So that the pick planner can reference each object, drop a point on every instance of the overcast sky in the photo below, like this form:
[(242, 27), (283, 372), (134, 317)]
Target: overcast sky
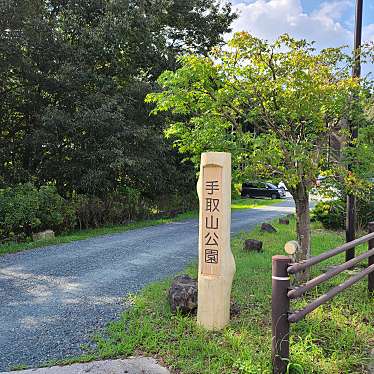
[(330, 23)]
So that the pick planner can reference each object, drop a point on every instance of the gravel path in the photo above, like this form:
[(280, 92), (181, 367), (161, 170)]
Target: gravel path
[(53, 298)]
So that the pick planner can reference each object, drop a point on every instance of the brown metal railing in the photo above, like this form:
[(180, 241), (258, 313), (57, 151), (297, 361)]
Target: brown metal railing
[(282, 293)]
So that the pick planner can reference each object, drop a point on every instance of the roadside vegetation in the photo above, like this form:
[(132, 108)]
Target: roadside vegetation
[(335, 338), (13, 247), (26, 209), (73, 235), (77, 129)]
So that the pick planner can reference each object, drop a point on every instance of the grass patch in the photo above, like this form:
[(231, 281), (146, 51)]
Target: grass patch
[(90, 233), (333, 339), (252, 203), (19, 367)]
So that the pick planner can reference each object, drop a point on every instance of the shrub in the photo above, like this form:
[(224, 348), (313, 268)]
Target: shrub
[(24, 209), (365, 214), (178, 202), (330, 213), (120, 207), (54, 211), (19, 211)]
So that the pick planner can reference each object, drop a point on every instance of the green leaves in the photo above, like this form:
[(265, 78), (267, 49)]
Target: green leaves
[(285, 91), (73, 77)]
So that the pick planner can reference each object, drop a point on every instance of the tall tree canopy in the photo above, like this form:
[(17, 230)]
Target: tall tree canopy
[(273, 105), (73, 77)]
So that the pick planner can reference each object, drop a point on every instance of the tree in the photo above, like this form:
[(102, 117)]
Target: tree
[(73, 77), (272, 105)]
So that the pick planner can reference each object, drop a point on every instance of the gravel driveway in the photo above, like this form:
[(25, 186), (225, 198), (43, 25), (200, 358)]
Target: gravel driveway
[(53, 298)]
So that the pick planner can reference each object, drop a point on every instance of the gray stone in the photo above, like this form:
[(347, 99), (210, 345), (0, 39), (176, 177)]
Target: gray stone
[(168, 213), (137, 365), (183, 294), (252, 245), (234, 309), (284, 221), (43, 235), (267, 227)]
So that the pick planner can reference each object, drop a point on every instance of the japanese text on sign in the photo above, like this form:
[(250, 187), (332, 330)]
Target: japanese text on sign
[(211, 220)]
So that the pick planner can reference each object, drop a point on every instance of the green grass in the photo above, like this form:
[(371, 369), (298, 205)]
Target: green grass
[(19, 367), (252, 203), (333, 339), (90, 233)]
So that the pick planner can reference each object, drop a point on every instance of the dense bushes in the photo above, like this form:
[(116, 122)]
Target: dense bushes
[(55, 212), (365, 213), (127, 205), (82, 122), (18, 211), (332, 213), (117, 208), (25, 209)]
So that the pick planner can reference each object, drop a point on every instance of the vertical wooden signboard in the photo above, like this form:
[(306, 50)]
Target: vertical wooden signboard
[(216, 262)]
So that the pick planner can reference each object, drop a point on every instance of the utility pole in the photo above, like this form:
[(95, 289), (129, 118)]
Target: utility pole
[(356, 72)]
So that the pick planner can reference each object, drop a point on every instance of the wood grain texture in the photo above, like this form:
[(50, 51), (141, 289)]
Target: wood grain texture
[(216, 262)]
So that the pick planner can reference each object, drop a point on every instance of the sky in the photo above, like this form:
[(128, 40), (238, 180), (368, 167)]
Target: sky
[(330, 23)]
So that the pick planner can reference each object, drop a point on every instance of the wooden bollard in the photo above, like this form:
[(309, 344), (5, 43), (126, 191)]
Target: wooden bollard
[(216, 262)]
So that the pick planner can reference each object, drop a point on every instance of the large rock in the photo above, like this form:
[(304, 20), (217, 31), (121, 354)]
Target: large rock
[(267, 227), (284, 221), (234, 309), (168, 213), (252, 245), (183, 294), (43, 235)]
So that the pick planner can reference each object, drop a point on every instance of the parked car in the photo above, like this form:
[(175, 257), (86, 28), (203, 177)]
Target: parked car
[(261, 189), (282, 187)]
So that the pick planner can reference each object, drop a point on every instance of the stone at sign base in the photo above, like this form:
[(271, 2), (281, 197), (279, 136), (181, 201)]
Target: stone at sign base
[(43, 235), (183, 294), (216, 262)]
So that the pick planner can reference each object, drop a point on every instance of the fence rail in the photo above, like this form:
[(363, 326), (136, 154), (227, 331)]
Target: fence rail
[(282, 293), (300, 266), (299, 291)]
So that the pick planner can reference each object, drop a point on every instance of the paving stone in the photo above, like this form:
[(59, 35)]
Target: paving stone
[(137, 365)]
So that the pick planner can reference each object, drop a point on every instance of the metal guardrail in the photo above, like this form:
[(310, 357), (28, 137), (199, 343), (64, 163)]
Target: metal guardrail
[(282, 293)]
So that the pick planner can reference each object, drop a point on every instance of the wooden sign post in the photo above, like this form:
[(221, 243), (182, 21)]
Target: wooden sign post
[(216, 262)]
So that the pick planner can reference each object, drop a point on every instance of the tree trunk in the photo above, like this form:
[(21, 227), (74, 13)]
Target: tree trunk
[(301, 197)]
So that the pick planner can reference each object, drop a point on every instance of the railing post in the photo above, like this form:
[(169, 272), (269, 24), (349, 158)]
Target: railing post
[(280, 304), (371, 260)]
